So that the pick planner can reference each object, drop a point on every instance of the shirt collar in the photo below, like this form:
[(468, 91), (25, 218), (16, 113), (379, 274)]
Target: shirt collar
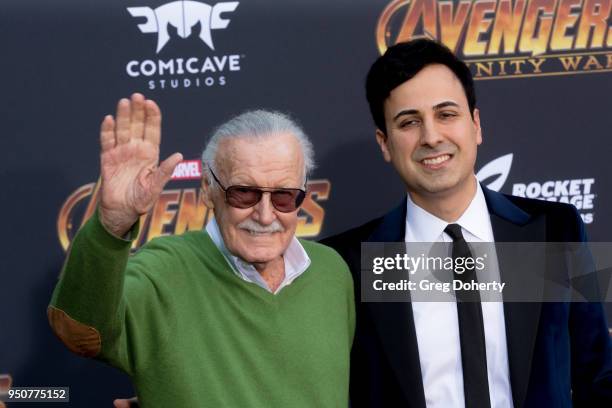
[(422, 226), (475, 219)]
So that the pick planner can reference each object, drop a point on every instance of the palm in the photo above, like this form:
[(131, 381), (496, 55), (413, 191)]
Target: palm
[(131, 177), (121, 168)]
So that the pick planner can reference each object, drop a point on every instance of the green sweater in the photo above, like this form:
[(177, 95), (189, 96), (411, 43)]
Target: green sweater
[(191, 333)]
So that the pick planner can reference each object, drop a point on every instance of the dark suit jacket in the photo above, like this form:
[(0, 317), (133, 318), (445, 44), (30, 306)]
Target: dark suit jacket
[(559, 353)]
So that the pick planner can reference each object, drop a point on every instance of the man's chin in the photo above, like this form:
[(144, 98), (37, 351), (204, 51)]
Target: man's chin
[(260, 249), (259, 259), (439, 185), (257, 255)]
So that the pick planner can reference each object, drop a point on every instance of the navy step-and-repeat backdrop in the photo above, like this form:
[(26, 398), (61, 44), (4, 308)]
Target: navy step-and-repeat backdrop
[(544, 82)]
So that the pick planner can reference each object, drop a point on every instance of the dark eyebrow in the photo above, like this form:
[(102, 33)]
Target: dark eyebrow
[(445, 104), (439, 106), (406, 112)]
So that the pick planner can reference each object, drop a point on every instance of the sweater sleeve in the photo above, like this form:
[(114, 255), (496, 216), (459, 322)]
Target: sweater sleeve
[(105, 304), (351, 304)]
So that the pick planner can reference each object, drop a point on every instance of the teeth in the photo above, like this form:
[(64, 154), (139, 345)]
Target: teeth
[(257, 233), (437, 160)]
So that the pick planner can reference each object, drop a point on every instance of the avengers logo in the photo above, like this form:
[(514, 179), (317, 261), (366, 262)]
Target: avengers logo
[(180, 208), (508, 38)]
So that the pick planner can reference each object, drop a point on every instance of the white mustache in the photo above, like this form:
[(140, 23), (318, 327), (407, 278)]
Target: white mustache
[(253, 226)]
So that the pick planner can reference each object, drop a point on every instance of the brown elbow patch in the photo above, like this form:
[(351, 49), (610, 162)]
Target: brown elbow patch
[(79, 338)]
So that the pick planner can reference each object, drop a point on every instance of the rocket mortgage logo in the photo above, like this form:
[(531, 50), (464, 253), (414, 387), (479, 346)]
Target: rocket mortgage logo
[(580, 192)]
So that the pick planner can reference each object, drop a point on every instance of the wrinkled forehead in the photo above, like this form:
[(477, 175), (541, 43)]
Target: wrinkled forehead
[(272, 159)]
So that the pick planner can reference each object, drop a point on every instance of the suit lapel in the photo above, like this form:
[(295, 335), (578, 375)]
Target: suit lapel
[(511, 224), (392, 226), (394, 321)]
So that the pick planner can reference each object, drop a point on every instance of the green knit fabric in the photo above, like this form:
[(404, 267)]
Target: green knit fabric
[(191, 333)]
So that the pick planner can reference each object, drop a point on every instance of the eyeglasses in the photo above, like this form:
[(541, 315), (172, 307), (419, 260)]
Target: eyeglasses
[(283, 199)]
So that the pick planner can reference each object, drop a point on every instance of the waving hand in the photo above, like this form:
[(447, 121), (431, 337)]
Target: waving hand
[(131, 178)]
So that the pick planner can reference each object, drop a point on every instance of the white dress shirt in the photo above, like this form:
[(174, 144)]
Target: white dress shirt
[(436, 323), (295, 257)]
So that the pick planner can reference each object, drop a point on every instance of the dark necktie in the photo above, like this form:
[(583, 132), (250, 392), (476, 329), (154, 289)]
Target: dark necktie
[(471, 330)]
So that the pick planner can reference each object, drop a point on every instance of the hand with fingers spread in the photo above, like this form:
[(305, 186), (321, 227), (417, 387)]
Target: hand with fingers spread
[(131, 178)]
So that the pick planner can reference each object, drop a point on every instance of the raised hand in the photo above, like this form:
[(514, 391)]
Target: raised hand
[(131, 179)]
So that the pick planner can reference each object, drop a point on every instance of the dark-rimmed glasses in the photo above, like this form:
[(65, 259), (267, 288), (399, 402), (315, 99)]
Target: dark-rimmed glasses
[(283, 199)]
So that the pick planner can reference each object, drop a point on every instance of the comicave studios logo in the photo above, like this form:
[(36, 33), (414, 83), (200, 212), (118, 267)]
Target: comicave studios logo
[(578, 192), (508, 38), (185, 18)]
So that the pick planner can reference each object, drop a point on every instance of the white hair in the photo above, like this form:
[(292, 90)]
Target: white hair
[(257, 124)]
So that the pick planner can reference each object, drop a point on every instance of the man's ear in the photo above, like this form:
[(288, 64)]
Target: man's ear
[(476, 121), (206, 191), (382, 140)]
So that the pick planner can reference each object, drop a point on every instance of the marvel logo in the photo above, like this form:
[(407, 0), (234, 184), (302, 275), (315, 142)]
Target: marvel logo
[(188, 170)]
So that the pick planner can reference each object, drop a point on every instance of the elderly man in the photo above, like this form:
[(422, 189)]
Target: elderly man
[(240, 315)]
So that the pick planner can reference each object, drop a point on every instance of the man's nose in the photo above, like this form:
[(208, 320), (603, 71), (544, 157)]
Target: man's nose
[(430, 134), (264, 210)]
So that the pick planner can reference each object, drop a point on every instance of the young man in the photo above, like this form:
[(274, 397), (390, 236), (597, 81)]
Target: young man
[(454, 354)]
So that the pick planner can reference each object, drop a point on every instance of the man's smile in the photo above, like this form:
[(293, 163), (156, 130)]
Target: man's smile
[(436, 162)]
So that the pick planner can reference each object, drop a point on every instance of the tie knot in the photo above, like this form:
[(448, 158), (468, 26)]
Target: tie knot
[(454, 231)]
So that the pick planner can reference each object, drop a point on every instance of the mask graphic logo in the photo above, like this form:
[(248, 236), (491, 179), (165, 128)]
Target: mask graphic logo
[(499, 167), (183, 15)]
